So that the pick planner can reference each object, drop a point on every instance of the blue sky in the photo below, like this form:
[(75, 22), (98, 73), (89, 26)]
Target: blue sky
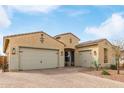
[(87, 22)]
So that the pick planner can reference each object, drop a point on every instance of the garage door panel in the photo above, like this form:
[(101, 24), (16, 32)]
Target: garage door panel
[(50, 55), (85, 58), (38, 59)]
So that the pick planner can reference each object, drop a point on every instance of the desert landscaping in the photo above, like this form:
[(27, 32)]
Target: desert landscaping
[(113, 74)]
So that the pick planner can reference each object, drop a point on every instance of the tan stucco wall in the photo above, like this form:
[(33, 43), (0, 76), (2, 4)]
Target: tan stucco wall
[(32, 40), (66, 40), (111, 53), (92, 48)]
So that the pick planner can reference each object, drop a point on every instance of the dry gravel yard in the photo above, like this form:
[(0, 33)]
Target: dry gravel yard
[(60, 77), (113, 76)]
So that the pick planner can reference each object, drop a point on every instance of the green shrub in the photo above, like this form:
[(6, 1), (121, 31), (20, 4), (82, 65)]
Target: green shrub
[(113, 67), (105, 72)]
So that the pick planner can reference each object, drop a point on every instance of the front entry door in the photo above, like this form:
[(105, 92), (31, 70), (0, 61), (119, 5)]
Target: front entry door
[(69, 58)]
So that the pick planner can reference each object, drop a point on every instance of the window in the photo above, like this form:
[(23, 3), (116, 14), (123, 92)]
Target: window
[(105, 55)]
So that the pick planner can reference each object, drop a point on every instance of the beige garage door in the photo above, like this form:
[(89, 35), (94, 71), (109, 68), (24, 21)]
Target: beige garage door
[(85, 58), (37, 58)]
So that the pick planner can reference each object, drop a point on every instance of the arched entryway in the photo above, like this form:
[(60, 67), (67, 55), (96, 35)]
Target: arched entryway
[(69, 57)]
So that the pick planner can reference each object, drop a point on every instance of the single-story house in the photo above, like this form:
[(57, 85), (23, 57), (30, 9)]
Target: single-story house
[(38, 50)]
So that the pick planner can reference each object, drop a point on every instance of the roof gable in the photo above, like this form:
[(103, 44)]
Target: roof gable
[(67, 34), (8, 38)]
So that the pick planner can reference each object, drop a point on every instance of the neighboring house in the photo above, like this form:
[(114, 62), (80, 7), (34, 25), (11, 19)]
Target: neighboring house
[(1, 59), (39, 50), (122, 58)]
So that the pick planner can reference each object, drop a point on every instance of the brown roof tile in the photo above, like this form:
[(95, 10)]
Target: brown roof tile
[(89, 43)]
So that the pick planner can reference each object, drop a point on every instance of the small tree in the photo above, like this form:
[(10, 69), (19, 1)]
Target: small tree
[(119, 45), (117, 59)]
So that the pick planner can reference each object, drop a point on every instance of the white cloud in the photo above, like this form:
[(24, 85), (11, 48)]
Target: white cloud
[(35, 9), (4, 18), (111, 28), (7, 12)]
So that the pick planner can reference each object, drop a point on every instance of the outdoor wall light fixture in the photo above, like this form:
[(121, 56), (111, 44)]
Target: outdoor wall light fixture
[(61, 53), (13, 51), (95, 53)]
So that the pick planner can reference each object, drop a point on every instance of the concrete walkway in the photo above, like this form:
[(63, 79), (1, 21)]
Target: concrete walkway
[(60, 78)]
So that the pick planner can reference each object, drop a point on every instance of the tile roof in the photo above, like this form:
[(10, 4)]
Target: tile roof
[(92, 42)]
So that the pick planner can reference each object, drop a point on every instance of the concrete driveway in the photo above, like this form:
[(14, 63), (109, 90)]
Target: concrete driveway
[(60, 78)]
